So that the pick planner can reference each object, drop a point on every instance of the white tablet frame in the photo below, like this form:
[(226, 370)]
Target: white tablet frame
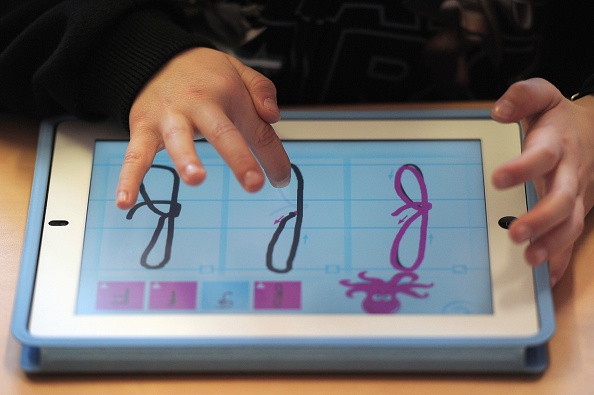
[(53, 311)]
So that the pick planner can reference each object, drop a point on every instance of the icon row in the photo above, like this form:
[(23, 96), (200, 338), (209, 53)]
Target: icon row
[(210, 296)]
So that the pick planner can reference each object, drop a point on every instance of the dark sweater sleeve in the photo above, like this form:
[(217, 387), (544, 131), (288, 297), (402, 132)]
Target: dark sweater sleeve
[(88, 58)]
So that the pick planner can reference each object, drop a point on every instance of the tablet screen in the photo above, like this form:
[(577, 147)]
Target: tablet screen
[(365, 227)]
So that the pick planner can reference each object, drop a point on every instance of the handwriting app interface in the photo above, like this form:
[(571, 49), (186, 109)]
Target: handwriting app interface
[(365, 227)]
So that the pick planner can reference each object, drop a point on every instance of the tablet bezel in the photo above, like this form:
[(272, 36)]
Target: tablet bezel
[(515, 311)]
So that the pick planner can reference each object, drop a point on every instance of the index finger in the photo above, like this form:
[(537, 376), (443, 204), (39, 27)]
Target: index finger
[(269, 150), (138, 159)]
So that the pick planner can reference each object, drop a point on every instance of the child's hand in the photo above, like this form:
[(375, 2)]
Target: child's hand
[(205, 93), (558, 157)]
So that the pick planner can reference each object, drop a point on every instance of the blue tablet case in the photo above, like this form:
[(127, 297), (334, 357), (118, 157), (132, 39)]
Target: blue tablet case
[(476, 355)]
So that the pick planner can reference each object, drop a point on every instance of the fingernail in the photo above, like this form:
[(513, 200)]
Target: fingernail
[(271, 105), (504, 109), (523, 233), (122, 196), (252, 180), (502, 180), (282, 183), (193, 170)]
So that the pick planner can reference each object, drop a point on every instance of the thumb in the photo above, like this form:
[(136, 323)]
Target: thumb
[(524, 99)]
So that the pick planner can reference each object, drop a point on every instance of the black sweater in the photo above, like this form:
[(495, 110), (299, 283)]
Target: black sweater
[(90, 58)]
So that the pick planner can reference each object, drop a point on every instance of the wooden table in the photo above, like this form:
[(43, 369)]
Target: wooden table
[(571, 369)]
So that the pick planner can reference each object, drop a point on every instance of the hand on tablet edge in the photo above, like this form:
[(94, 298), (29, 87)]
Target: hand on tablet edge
[(558, 156)]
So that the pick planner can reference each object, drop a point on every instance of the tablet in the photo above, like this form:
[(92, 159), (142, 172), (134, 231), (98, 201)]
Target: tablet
[(390, 231)]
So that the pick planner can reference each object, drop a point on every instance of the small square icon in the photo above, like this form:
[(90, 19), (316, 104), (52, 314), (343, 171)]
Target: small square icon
[(120, 295), (277, 295), (173, 295), (225, 296)]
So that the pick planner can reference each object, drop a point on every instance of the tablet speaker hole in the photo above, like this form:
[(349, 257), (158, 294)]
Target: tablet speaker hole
[(58, 222), (505, 222)]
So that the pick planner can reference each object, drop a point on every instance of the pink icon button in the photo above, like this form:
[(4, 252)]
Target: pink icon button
[(172, 295), (277, 295)]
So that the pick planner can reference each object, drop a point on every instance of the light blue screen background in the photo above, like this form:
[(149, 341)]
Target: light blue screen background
[(220, 239)]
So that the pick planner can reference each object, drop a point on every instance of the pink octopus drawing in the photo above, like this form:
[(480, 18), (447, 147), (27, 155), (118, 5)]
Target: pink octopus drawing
[(382, 296)]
